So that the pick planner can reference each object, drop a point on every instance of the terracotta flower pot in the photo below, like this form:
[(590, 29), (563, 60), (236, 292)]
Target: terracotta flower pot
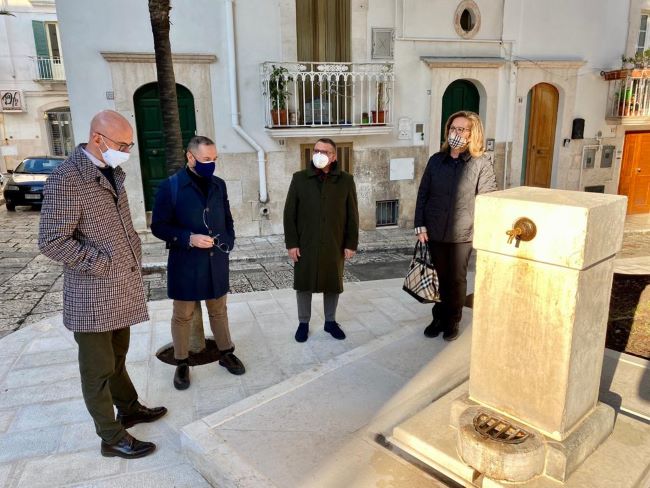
[(279, 117), (378, 116)]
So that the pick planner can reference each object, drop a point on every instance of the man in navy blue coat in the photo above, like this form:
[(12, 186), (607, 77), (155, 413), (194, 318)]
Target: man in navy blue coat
[(192, 215)]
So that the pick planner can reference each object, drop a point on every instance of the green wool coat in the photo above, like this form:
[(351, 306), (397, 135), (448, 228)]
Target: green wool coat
[(322, 219)]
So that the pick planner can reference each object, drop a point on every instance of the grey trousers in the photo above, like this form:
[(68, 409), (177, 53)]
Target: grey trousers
[(330, 302)]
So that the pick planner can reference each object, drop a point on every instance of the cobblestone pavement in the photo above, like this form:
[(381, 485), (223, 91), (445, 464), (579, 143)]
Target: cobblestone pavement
[(31, 284)]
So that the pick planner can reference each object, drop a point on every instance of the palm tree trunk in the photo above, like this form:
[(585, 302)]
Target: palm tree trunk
[(174, 154), (159, 13)]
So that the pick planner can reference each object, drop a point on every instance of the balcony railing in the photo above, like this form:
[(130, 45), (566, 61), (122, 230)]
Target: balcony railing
[(327, 95), (49, 69), (628, 98)]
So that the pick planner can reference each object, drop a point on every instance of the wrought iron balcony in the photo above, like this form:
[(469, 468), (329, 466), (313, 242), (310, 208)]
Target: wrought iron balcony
[(335, 98), (628, 100), (49, 69)]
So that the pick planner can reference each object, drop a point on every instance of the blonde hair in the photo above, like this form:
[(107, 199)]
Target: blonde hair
[(476, 147)]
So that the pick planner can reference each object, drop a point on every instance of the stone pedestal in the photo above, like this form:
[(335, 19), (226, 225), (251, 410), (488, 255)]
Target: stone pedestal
[(540, 308), (538, 334)]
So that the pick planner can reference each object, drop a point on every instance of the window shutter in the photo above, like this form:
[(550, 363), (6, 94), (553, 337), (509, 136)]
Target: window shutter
[(40, 39)]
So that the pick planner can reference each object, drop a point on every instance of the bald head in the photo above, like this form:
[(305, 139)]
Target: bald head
[(109, 129), (108, 120)]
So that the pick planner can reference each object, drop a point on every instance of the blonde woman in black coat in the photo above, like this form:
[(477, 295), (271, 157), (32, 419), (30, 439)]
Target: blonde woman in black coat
[(444, 214)]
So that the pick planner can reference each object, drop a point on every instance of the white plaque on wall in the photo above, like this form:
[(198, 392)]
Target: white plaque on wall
[(402, 169)]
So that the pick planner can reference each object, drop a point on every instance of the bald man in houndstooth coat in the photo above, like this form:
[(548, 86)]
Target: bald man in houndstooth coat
[(86, 225)]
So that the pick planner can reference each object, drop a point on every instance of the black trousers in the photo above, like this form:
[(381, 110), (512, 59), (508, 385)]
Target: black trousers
[(105, 381), (451, 260)]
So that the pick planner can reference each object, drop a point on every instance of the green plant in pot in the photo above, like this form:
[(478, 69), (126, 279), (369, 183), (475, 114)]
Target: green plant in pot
[(626, 102), (279, 94), (379, 115)]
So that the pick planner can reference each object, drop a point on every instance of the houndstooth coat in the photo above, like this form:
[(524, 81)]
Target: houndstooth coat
[(87, 226)]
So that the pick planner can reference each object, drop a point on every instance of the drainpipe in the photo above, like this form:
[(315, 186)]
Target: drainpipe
[(234, 97)]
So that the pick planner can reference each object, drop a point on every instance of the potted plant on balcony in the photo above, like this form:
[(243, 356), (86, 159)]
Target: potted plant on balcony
[(636, 66), (279, 93), (627, 105), (379, 115)]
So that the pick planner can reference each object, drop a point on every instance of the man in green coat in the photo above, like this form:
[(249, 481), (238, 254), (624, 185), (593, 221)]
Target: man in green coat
[(321, 230)]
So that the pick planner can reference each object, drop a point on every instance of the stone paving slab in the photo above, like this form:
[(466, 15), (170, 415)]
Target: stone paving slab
[(31, 284), (45, 428)]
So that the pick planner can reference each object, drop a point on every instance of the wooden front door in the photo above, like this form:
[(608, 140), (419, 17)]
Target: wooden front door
[(635, 172), (151, 142), (460, 95), (541, 135)]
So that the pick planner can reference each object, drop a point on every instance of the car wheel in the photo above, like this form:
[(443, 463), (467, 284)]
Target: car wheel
[(11, 207)]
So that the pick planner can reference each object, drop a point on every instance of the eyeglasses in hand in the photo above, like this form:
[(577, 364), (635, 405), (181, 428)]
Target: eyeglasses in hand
[(222, 246)]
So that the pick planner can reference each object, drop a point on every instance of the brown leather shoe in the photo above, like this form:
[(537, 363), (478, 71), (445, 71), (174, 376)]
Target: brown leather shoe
[(232, 363), (128, 447), (140, 415)]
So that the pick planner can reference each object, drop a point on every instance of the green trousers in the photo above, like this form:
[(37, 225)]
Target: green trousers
[(104, 380)]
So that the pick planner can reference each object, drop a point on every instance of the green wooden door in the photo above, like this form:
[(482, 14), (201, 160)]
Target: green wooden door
[(151, 142), (460, 95)]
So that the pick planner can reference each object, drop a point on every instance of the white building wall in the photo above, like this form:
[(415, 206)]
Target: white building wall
[(25, 133), (594, 32)]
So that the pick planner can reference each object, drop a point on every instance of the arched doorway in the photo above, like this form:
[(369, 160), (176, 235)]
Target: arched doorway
[(459, 95), (151, 142), (539, 136)]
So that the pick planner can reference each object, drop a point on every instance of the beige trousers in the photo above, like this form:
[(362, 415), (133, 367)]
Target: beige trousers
[(182, 319)]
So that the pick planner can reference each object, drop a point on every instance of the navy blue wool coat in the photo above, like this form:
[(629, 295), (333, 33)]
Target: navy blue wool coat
[(193, 273)]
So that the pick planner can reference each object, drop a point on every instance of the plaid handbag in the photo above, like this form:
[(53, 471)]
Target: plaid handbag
[(421, 281)]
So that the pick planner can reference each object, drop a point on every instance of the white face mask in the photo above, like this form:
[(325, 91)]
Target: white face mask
[(320, 160), (113, 157)]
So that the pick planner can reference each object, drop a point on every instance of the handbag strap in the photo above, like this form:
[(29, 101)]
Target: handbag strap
[(423, 250)]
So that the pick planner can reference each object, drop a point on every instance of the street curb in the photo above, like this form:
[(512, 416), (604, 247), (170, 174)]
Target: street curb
[(150, 268)]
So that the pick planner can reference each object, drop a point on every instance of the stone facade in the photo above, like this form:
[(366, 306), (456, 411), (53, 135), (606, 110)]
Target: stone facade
[(508, 52)]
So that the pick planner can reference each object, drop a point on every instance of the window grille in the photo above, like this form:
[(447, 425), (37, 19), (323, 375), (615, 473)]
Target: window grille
[(387, 212)]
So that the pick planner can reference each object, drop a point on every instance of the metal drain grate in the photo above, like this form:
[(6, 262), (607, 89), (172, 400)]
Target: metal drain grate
[(499, 430)]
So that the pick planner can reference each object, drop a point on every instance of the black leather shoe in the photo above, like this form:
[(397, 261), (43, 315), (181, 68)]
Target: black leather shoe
[(128, 447), (434, 328), (140, 415), (232, 363), (451, 332), (182, 376), (335, 330)]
